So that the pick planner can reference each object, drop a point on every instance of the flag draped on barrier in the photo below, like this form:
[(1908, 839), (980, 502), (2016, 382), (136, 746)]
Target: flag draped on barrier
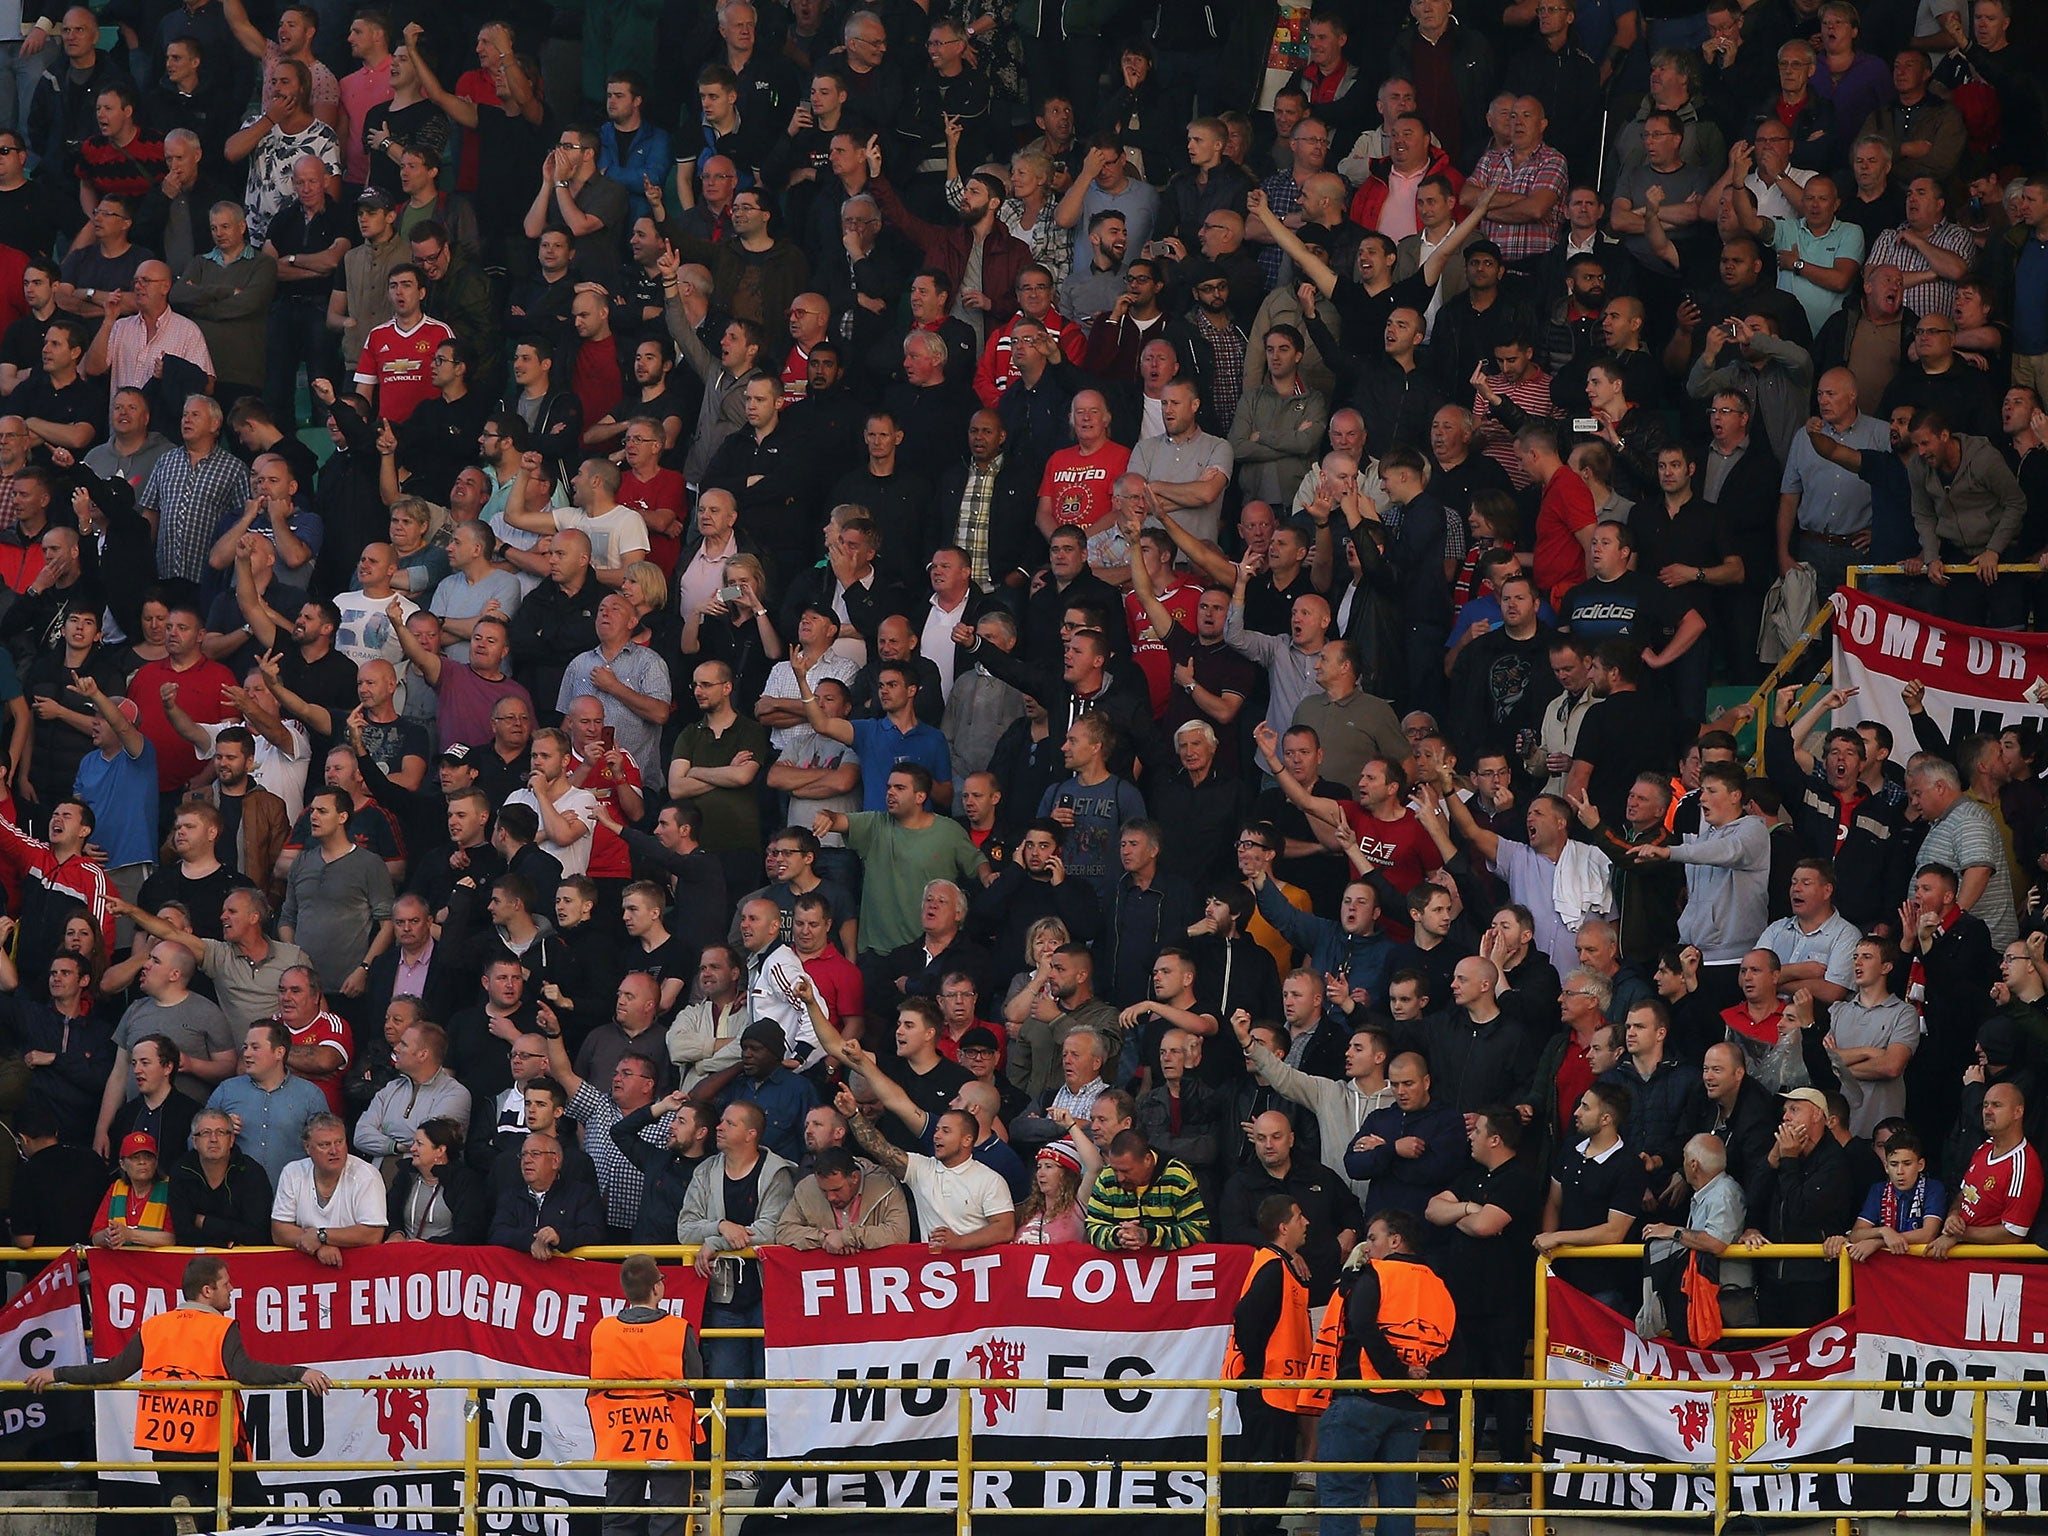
[(1928, 1324), (1771, 1421), (42, 1326), (411, 1314), (1976, 679), (1005, 1314)]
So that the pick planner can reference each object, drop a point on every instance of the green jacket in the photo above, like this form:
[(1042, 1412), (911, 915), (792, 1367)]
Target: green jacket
[(1169, 1207)]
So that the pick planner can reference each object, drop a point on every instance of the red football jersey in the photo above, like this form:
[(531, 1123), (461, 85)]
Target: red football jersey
[(401, 365)]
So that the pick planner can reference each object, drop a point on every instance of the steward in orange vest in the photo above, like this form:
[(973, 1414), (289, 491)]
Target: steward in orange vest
[(644, 1342), (1392, 1317), (197, 1342), (1271, 1338)]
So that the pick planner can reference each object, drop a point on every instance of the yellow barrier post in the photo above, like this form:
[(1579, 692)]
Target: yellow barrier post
[(714, 1499), (1539, 1368), (1720, 1421), (224, 1461), (963, 1461), (1980, 1415), (472, 1453), (1468, 1412), (1212, 1500)]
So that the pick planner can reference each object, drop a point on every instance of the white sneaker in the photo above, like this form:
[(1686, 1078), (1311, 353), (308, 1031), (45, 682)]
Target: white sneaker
[(748, 1481), (183, 1521)]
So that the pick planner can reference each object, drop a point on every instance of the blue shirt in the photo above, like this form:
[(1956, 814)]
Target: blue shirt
[(273, 1123), (881, 746), (1933, 1202), (1487, 608), (646, 158), (122, 793), (784, 1098), (2030, 299)]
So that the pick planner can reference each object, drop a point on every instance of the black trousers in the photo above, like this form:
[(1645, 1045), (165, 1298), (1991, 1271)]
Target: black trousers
[(1267, 1434)]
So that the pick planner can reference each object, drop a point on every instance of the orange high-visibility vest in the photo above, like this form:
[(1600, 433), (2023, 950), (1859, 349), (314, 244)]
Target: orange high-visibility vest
[(632, 1425), (184, 1345), (1288, 1348), (1417, 1316)]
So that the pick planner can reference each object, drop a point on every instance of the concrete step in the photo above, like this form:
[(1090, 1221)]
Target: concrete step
[(48, 1512)]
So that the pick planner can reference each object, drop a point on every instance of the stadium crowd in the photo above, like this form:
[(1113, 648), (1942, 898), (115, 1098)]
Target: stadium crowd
[(960, 623)]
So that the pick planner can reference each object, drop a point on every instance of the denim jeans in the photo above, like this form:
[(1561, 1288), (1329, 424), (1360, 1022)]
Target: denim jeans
[(1360, 1426), (738, 1360), (19, 76)]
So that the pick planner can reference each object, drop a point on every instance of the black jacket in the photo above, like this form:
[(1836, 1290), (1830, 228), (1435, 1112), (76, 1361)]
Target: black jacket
[(1806, 1200), (550, 629), (1014, 542), (574, 1210), (1128, 707), (468, 1199), (771, 484), (867, 603), (1325, 1199), (235, 1214), (557, 428), (666, 1171)]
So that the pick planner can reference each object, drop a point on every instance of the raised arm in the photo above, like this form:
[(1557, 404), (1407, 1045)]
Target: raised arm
[(1312, 266)]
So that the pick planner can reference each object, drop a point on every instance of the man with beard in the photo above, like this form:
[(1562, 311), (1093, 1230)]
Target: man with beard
[(1502, 679)]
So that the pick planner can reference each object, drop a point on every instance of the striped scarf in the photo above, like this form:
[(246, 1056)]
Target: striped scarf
[(1916, 1208), (1916, 984), (151, 1214)]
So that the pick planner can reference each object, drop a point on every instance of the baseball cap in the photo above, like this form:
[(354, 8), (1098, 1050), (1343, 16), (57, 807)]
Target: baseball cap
[(459, 753), (130, 710), (980, 1038), (138, 1141), (1811, 1096), (374, 197)]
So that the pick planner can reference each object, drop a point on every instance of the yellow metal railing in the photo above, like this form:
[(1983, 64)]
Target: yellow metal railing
[(709, 1498), (709, 1501)]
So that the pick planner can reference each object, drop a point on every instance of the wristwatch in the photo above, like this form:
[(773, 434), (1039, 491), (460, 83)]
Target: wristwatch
[(321, 1236), (1798, 263), (90, 292)]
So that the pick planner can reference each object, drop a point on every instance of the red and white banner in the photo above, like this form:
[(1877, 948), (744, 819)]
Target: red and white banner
[(1012, 1313), (1926, 1323), (1976, 679), (42, 1326), (411, 1314), (1769, 1423)]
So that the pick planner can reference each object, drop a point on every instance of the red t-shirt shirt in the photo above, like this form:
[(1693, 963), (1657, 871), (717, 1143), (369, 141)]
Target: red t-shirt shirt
[(1574, 1077), (326, 1029), (1560, 558), (839, 984), (664, 488), (2003, 1191), (199, 695), (475, 85), (597, 383), (796, 376), (1150, 654), (1401, 850), (610, 859), (401, 365), (1079, 483)]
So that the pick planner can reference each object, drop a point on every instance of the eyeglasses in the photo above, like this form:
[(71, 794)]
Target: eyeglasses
[(12, 149)]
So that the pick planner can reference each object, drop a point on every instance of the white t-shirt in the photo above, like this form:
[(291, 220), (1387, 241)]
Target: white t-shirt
[(617, 538), (366, 632), (282, 773), (580, 803), (358, 1199), (963, 1199)]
